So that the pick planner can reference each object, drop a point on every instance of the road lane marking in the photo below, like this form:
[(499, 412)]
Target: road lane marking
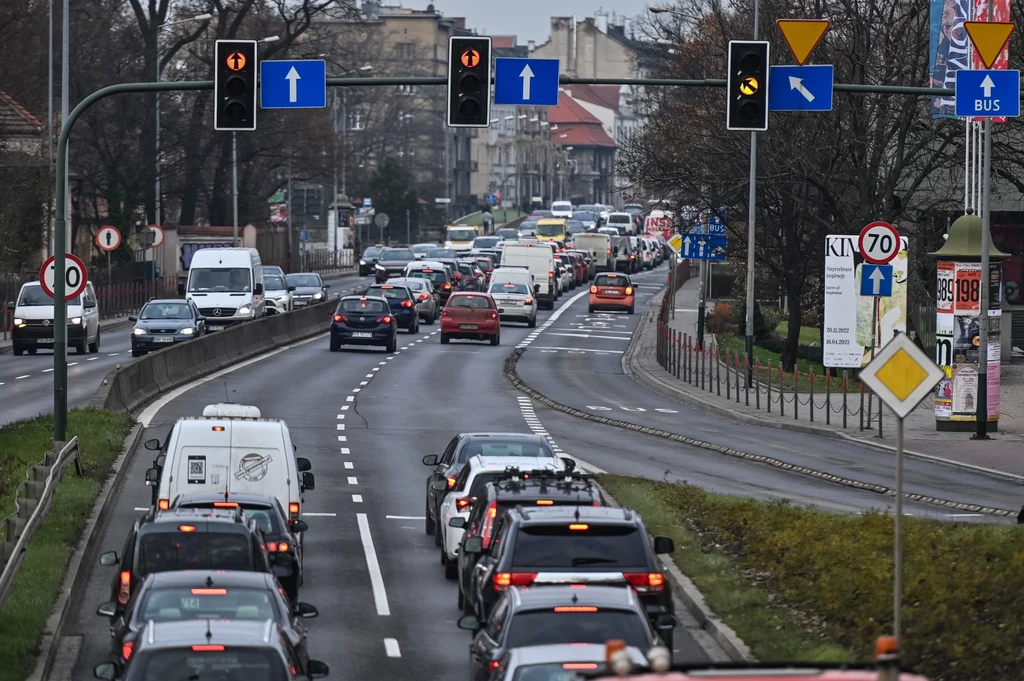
[(363, 382), (350, 398), (342, 438), (341, 416), (352, 480), (18, 378), (320, 515), (341, 426), (345, 408), (141, 508), (586, 335), (380, 596), (391, 647), (370, 375), (349, 465), (405, 517), (71, 364), (113, 354), (46, 371), (92, 359), (357, 498), (355, 390), (556, 348), (344, 450), (526, 408)]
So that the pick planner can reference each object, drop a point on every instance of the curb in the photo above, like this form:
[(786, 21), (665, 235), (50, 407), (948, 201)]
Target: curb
[(74, 578)]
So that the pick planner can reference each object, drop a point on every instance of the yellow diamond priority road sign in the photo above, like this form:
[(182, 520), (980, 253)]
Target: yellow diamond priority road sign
[(901, 374), (676, 243)]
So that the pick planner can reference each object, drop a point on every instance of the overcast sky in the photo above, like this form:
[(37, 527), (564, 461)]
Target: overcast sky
[(527, 19)]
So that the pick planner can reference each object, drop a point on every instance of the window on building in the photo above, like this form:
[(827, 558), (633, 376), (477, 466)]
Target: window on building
[(405, 50)]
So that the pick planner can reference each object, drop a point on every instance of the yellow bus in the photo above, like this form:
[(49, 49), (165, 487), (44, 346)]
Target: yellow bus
[(551, 229), (459, 238)]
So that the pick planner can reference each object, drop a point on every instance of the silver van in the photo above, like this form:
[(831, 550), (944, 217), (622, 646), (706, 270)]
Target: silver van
[(33, 321)]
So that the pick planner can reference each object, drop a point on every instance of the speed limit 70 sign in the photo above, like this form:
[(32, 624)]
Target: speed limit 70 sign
[(879, 243), (75, 276)]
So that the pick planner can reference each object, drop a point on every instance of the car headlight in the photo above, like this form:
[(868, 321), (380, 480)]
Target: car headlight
[(279, 298), (138, 332), (243, 310), (187, 331), (75, 321), (380, 267), (318, 296), (362, 262), (19, 322)]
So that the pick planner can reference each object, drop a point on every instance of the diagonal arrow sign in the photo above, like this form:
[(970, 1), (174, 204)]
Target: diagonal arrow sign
[(293, 78), (798, 85)]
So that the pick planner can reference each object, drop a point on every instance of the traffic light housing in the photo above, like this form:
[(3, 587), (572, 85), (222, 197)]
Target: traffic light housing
[(747, 86), (234, 85), (469, 82)]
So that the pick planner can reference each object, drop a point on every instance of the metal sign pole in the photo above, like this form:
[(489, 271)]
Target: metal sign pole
[(897, 612), (981, 419), (751, 215)]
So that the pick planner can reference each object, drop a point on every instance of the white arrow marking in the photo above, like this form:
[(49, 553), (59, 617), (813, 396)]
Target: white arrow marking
[(876, 278), (686, 246), (293, 79), (701, 251), (526, 74), (798, 85), (987, 86)]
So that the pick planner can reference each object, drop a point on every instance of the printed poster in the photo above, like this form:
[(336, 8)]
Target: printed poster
[(949, 50)]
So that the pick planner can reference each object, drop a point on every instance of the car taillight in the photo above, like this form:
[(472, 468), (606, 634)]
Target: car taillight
[(646, 582), (446, 286), (463, 502), (485, 533), (163, 504), (493, 665), (551, 275), (225, 504), (340, 318), (207, 648), (528, 301), (575, 608), (293, 511), (608, 251), (579, 527), (632, 256), (494, 315), (579, 665), (451, 481), (458, 275), (423, 296), (126, 650), (124, 593), (444, 313), (273, 547), (503, 580), (406, 303), (186, 528), (545, 502), (386, 319), (629, 290), (593, 289)]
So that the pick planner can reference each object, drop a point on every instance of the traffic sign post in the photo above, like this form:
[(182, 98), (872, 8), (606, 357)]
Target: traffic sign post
[(293, 84), (700, 246), (381, 220), (532, 82), (75, 277), (803, 35), (108, 239), (800, 88)]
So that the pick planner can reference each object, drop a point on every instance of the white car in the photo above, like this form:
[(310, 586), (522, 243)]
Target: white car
[(470, 482), (561, 209), (568, 279), (516, 302), (278, 294)]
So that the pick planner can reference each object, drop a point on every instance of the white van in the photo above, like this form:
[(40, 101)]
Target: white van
[(599, 246), (540, 261), (231, 448), (33, 321), (226, 284), (513, 275), (561, 209)]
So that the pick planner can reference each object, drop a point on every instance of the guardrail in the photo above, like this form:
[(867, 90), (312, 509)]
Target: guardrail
[(39, 486)]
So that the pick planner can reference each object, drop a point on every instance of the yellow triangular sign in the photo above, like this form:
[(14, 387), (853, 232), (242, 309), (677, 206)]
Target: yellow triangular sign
[(803, 35), (989, 38)]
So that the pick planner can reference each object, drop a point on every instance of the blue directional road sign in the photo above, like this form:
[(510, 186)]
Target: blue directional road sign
[(992, 92), (293, 84), (699, 246), (303, 235), (715, 224), (491, 199), (876, 280), (526, 81), (800, 88)]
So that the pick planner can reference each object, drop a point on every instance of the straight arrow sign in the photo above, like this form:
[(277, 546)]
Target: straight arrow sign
[(527, 75), (876, 281), (293, 88), (686, 246), (987, 86)]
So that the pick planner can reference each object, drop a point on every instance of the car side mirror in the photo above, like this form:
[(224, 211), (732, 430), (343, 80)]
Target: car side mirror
[(90, 303), (291, 288), (152, 475), (317, 669), (457, 522), (303, 464), (473, 545), (664, 545), (107, 671), (306, 610), (469, 623), (181, 289), (152, 445), (666, 623), (160, 460), (201, 319), (108, 558), (327, 285), (536, 288), (430, 460), (10, 303), (570, 464), (133, 318), (258, 289), (299, 526), (107, 609), (439, 485), (308, 481)]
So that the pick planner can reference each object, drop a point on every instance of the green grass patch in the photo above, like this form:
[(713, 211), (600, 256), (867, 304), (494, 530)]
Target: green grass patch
[(737, 344), (809, 335), (35, 589), (500, 216), (802, 584)]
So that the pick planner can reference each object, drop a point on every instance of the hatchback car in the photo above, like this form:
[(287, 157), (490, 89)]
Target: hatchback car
[(516, 302), (162, 323), (369, 260), (402, 303), (472, 316), (310, 289), (360, 320), (428, 302), (612, 291), (438, 277)]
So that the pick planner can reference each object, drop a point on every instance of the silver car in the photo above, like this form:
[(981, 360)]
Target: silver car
[(278, 294), (428, 301), (516, 302)]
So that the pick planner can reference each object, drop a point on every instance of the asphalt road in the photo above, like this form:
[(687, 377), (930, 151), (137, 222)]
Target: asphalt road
[(26, 384)]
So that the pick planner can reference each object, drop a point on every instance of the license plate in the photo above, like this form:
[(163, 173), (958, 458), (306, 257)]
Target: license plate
[(301, 303), (160, 339), (608, 290), (44, 341), (469, 326), (362, 334), (509, 302), (215, 328), (189, 603)]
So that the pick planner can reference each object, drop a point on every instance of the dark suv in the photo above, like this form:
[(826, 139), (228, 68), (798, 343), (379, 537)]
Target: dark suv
[(570, 545), (185, 539)]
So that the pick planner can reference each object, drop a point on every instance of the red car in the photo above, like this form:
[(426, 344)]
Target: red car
[(485, 265), (470, 315)]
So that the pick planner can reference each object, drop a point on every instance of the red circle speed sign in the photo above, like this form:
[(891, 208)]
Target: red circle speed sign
[(75, 276), (879, 243)]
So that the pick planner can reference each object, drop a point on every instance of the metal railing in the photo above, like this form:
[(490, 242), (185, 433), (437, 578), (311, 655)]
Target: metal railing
[(41, 482)]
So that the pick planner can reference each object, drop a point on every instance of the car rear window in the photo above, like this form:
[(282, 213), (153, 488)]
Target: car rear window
[(610, 280), (555, 671), (234, 662), (509, 289), (178, 550), (499, 448), (474, 302), (368, 306), (202, 602), (397, 254), (391, 293), (485, 264), (372, 252), (557, 546), (547, 627), (265, 517)]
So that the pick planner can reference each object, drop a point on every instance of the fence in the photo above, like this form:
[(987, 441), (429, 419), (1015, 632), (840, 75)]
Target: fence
[(319, 261), (40, 484)]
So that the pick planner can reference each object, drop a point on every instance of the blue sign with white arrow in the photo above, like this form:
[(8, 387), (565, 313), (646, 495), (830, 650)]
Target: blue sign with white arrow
[(526, 81), (293, 84), (303, 235), (800, 88), (876, 280), (991, 92), (699, 246)]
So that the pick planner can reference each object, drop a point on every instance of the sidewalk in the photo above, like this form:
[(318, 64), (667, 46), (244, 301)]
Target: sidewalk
[(1003, 453)]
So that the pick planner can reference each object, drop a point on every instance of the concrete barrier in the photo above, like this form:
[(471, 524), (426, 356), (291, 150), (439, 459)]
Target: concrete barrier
[(128, 386)]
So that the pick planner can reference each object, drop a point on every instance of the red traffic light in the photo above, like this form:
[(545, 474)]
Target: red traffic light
[(236, 61)]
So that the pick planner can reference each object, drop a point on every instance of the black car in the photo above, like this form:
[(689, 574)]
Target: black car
[(537, 488), (458, 280), (402, 303), (205, 594), (464, 446), (471, 280), (361, 320), (570, 544), (309, 288), (185, 539), (369, 259), (559, 614), (438, 277), (210, 649), (283, 541), (162, 323), (440, 254), (391, 263)]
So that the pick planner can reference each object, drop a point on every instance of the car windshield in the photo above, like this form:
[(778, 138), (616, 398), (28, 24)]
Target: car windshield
[(557, 546), (182, 664), (473, 302), (550, 230), (610, 231), (423, 248), (508, 289), (507, 233), (574, 226), (504, 448), (220, 280), (166, 311), (584, 216), (610, 280), (436, 276), (552, 671), (179, 550), (463, 234), (441, 253), (540, 214), (305, 280), (272, 282), (548, 627), (485, 241), (363, 306), (372, 253), (33, 296), (612, 219), (172, 604), (389, 292), (397, 254)]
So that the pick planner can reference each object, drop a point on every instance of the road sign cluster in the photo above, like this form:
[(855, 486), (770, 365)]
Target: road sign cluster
[(879, 243)]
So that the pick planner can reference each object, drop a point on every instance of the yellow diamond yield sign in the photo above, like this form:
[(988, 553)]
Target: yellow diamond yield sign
[(676, 242), (989, 38), (802, 36), (901, 374)]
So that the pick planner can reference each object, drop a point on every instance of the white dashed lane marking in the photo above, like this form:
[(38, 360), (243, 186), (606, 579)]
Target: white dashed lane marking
[(530, 416), (391, 647)]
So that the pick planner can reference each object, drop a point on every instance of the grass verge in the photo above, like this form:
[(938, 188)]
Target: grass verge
[(809, 335), (35, 589), (737, 344), (802, 584)]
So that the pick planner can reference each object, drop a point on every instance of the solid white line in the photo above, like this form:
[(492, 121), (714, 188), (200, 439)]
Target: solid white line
[(612, 352), (404, 517), (18, 378), (352, 480), (318, 515), (391, 647), (380, 596), (92, 359), (585, 335), (46, 371), (357, 498), (348, 465), (344, 450)]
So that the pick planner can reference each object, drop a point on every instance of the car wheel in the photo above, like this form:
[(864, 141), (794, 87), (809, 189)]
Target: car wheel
[(451, 568), (428, 522), (666, 638), (430, 320), (631, 309), (392, 345), (95, 347), (590, 309), (461, 601), (437, 533), (33, 351), (444, 338), (335, 345), (137, 353), (81, 348), (17, 350), (532, 323), (496, 339), (415, 328)]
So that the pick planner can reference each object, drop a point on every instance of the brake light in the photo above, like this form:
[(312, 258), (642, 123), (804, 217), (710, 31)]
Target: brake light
[(463, 502), (632, 256), (493, 665), (293, 511), (575, 608), (218, 429), (458, 275), (593, 289), (629, 290), (444, 313), (272, 546), (446, 286), (186, 528), (503, 580), (126, 650), (387, 287), (406, 303), (282, 547), (423, 296), (608, 251), (579, 527), (494, 315), (386, 319), (528, 301), (207, 648), (579, 665), (451, 482), (124, 594), (551, 275), (163, 504), (209, 592), (340, 318), (225, 504), (545, 502), (646, 582), (485, 533)]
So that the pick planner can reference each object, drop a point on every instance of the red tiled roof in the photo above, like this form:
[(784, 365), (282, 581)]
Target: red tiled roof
[(570, 111), (579, 127), (16, 118), (601, 95), (503, 41)]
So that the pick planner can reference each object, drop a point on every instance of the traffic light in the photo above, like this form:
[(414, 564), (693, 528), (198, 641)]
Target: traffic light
[(234, 85), (469, 82), (747, 86)]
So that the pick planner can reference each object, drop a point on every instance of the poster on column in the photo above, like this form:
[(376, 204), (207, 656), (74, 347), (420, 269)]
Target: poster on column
[(848, 315)]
